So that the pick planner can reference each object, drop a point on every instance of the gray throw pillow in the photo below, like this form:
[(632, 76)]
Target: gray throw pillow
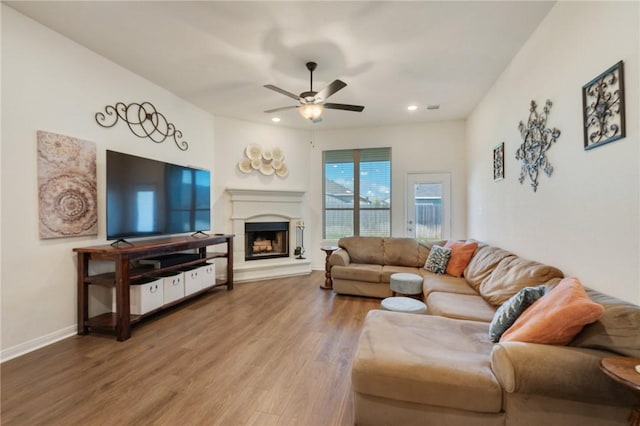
[(510, 310), (438, 259)]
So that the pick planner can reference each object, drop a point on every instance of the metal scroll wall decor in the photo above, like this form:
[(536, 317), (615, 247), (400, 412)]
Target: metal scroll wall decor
[(537, 139), (143, 120), (498, 161), (603, 108)]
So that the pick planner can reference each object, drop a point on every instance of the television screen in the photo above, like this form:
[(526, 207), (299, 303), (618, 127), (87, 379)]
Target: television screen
[(148, 197)]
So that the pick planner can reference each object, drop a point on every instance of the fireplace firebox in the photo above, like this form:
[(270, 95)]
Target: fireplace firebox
[(265, 240)]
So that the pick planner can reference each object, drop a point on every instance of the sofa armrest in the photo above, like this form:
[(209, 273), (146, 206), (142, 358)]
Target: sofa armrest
[(562, 372), (339, 258)]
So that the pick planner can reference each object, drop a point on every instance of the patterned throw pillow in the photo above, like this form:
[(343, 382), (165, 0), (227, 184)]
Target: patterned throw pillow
[(510, 310), (438, 259)]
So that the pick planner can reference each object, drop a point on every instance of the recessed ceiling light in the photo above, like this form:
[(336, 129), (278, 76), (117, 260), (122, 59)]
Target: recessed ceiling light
[(433, 107), (275, 119), (412, 107)]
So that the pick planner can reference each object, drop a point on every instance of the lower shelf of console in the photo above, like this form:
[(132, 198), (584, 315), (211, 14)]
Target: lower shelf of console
[(107, 321)]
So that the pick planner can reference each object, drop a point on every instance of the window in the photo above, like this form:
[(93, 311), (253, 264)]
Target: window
[(366, 172)]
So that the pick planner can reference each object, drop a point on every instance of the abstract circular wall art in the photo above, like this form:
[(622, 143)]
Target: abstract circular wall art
[(67, 194)]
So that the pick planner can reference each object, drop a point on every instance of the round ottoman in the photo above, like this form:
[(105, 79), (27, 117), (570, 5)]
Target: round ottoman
[(403, 304), (404, 283)]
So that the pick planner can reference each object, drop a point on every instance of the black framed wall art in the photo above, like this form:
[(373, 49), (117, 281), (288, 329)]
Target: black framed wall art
[(498, 162), (603, 107)]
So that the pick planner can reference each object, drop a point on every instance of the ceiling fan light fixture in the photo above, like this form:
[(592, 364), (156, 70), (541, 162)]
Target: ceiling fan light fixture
[(311, 111)]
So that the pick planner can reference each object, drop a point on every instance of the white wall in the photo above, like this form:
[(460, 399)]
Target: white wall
[(232, 137), (584, 218), (51, 83), (429, 147)]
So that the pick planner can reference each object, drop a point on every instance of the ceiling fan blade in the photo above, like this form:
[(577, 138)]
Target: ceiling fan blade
[(356, 108), (332, 88), (280, 109), (282, 91)]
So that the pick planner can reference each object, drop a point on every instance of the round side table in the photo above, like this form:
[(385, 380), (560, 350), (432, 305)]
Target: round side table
[(328, 282), (622, 370)]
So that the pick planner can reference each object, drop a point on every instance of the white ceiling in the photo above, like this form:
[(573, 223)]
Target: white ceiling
[(218, 55)]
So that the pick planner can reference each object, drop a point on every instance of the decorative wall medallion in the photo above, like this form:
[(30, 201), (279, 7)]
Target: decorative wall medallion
[(603, 108), (266, 161), (498, 162), (143, 120), (537, 139), (66, 186)]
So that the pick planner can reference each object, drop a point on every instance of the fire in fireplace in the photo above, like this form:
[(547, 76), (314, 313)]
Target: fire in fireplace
[(266, 240)]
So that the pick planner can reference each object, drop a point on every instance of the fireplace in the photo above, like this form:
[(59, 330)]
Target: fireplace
[(266, 240), (259, 206)]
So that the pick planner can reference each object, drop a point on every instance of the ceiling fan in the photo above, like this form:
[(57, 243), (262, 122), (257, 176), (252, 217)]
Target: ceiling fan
[(313, 103)]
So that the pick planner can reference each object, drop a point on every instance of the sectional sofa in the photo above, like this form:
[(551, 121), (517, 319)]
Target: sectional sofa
[(443, 369)]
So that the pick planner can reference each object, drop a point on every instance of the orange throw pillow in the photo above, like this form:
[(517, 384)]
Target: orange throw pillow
[(557, 317), (461, 254)]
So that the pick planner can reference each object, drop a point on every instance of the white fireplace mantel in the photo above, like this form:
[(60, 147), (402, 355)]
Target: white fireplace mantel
[(257, 205)]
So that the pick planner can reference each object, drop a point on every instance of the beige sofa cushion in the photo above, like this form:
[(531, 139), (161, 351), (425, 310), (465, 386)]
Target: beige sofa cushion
[(361, 288), (388, 270), (357, 272), (483, 262), (617, 330), (423, 253), (401, 252), (445, 283), (460, 306), (556, 371), (512, 274), (426, 360), (364, 249)]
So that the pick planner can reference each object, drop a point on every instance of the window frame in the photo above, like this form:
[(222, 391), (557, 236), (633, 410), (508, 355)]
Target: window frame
[(356, 209)]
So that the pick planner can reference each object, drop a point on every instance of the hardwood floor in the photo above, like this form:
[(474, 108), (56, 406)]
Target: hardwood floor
[(274, 352)]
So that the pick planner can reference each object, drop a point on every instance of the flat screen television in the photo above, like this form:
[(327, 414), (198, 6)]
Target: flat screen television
[(152, 198)]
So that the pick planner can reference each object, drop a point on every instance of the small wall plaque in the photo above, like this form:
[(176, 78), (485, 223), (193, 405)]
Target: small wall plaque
[(498, 162)]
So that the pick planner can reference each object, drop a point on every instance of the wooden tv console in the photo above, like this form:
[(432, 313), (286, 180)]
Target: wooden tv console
[(123, 257)]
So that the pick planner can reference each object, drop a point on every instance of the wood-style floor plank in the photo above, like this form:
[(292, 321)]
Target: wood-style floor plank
[(274, 352)]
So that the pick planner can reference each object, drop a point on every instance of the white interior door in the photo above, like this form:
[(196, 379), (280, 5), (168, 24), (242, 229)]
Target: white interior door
[(428, 206)]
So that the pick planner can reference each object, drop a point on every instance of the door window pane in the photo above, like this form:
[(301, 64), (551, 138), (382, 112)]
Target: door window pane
[(428, 211)]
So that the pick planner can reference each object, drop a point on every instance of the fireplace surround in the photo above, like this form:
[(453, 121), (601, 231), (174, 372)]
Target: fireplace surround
[(254, 206)]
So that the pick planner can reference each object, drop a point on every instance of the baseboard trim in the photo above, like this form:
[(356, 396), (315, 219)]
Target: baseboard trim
[(40, 342), (37, 343)]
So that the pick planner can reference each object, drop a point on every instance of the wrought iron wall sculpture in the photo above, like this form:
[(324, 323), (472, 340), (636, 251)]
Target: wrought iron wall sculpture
[(143, 120), (603, 108), (498, 161), (537, 139)]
